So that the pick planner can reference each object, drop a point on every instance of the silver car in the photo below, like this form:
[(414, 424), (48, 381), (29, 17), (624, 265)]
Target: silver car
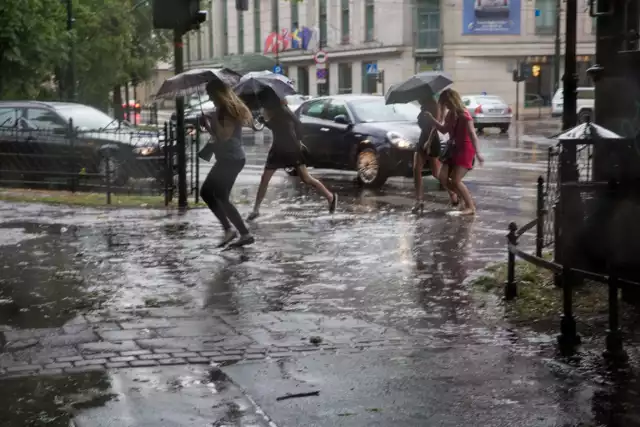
[(488, 111)]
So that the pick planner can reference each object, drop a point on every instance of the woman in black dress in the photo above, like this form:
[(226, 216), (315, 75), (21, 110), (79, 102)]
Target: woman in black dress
[(286, 149), (428, 148)]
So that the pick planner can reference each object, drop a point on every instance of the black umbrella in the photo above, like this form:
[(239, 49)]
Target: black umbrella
[(194, 81), (418, 87), (251, 84)]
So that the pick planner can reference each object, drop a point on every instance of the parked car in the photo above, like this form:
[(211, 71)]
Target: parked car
[(488, 111), (491, 8), (295, 101), (585, 105), (36, 139), (360, 133), (533, 100)]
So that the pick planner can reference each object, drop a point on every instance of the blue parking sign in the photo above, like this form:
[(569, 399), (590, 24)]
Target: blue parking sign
[(277, 69)]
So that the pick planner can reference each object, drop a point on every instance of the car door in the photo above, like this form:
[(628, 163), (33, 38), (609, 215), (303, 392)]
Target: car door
[(337, 135), (10, 156), (46, 134), (312, 118)]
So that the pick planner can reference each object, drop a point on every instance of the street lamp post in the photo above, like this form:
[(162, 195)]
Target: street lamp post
[(71, 71)]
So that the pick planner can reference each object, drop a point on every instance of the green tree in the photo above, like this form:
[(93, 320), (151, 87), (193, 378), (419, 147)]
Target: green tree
[(32, 40)]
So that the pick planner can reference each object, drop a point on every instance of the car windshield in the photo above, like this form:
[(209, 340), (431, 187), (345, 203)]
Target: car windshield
[(87, 118), (489, 100), (375, 110), (295, 99)]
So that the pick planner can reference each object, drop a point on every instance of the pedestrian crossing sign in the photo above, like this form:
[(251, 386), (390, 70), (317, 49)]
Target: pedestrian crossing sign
[(372, 68)]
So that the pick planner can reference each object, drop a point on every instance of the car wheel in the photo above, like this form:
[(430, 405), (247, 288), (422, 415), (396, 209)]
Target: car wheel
[(117, 173), (371, 173), (291, 171), (584, 116), (257, 125), (504, 129)]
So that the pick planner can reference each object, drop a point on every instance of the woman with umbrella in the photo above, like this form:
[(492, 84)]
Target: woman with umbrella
[(286, 149), (225, 126)]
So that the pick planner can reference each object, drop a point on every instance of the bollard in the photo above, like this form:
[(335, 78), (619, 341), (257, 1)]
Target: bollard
[(165, 163), (72, 146), (192, 147), (510, 288), (540, 218), (107, 174), (568, 338), (614, 351)]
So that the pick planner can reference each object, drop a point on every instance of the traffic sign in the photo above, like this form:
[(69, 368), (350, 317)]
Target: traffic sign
[(277, 69), (538, 13), (321, 75), (320, 57), (372, 68)]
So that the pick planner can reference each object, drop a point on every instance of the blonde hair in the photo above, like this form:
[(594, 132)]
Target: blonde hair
[(228, 103), (452, 100)]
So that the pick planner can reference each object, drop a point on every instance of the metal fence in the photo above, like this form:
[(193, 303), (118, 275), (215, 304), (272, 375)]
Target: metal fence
[(124, 159)]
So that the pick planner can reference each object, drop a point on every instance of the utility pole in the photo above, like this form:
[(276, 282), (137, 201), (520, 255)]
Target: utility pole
[(71, 72), (569, 113), (178, 64), (556, 59)]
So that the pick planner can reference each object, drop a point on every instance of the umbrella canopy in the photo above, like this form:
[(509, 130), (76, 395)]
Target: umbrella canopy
[(194, 81), (418, 87), (251, 84)]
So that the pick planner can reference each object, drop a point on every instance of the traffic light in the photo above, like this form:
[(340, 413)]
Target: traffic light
[(535, 70), (182, 15)]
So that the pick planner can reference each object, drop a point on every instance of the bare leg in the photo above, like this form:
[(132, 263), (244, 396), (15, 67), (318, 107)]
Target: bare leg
[(262, 191), (446, 182), (418, 162), (456, 180), (332, 198)]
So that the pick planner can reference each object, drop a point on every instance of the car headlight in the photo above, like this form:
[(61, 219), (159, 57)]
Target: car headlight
[(144, 151), (399, 141)]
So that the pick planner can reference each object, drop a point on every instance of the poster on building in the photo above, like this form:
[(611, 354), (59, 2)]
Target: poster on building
[(490, 17)]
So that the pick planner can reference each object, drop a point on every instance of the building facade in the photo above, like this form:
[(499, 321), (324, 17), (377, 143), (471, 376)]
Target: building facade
[(478, 43)]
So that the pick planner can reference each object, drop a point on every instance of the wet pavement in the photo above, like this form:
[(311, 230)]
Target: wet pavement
[(369, 307)]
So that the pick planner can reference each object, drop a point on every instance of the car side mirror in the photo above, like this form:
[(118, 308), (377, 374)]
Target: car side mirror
[(341, 119)]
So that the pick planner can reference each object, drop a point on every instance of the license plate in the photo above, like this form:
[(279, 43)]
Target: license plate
[(495, 110)]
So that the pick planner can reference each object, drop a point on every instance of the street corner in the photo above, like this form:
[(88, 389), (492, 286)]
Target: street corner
[(172, 396)]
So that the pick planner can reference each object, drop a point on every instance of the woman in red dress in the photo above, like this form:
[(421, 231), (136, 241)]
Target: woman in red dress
[(463, 149)]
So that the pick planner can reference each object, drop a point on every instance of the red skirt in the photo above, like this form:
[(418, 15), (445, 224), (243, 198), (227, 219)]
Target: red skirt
[(463, 155)]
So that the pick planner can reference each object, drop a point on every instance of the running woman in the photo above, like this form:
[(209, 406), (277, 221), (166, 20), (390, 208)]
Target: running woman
[(286, 150), (225, 127)]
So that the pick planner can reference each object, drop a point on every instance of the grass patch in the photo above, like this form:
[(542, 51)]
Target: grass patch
[(57, 197), (539, 300)]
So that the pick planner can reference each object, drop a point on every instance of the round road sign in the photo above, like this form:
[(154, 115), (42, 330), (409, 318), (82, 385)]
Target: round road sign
[(320, 57)]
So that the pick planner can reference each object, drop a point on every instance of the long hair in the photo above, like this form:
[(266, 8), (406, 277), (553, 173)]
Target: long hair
[(452, 100), (228, 104)]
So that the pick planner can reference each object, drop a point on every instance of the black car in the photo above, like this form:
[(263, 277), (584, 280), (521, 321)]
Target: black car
[(39, 139), (360, 133)]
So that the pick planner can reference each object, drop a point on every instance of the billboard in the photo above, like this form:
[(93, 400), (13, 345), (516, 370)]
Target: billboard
[(484, 17)]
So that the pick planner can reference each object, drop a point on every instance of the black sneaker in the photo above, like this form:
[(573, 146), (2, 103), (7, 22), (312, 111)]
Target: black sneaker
[(334, 203), (247, 239), (253, 215)]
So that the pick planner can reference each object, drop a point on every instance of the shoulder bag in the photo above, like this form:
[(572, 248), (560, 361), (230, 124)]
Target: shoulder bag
[(448, 150)]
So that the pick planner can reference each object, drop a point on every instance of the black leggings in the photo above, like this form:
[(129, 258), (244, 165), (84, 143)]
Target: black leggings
[(216, 190)]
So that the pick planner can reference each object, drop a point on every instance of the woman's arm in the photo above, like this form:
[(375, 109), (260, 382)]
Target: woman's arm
[(474, 138), (441, 126)]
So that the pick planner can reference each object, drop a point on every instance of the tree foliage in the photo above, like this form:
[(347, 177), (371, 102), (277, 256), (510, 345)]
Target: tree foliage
[(113, 42)]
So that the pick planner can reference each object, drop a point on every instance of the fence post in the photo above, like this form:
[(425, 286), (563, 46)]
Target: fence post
[(192, 147), (614, 351), (167, 136), (197, 165), (540, 218), (108, 176), (154, 114), (568, 338), (72, 145), (510, 288)]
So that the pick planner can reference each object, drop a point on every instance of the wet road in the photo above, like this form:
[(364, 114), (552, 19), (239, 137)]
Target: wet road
[(82, 284)]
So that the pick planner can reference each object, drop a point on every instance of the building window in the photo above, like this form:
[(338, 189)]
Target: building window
[(199, 45), (240, 32), (546, 20), (369, 20), (294, 14), (322, 21), (275, 18), (257, 46), (428, 25), (303, 80), (344, 78), (344, 29), (211, 47), (369, 81)]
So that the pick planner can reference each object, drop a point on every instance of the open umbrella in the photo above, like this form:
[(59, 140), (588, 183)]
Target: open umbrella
[(251, 84), (421, 85), (194, 81)]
